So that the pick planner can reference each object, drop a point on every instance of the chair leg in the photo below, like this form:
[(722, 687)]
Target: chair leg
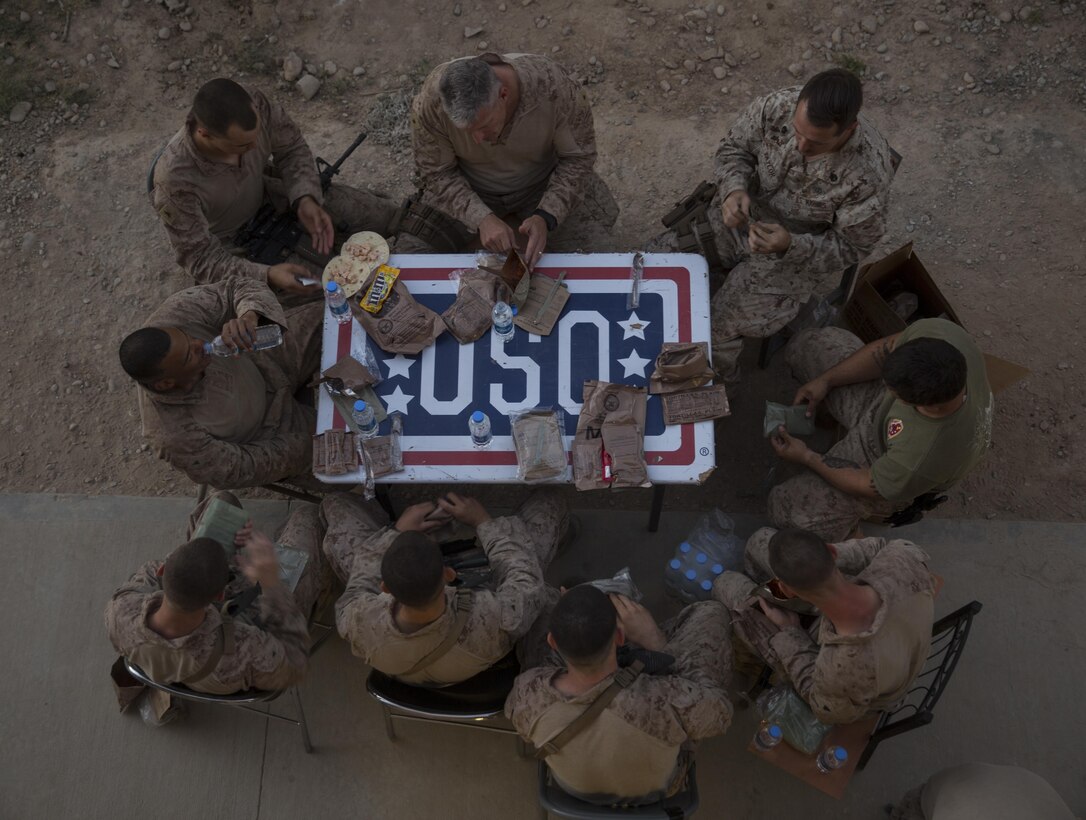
[(522, 747), (390, 730), (869, 750), (657, 506), (302, 722)]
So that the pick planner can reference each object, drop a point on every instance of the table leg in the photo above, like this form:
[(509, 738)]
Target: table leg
[(385, 500), (657, 506)]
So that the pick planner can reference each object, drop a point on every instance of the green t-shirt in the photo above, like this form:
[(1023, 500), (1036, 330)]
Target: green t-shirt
[(924, 454)]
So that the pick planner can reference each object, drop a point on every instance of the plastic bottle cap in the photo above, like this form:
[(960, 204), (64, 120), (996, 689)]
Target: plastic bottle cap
[(684, 547), (775, 731), (331, 287), (706, 585), (701, 558), (691, 575), (514, 310), (477, 416), (674, 563), (718, 569), (840, 753), (359, 406)]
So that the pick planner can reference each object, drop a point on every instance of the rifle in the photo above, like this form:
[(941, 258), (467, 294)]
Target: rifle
[(270, 237)]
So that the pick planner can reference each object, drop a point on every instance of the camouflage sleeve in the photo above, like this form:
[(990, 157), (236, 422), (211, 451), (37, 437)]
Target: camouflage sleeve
[(521, 592), (701, 645), (838, 682), (194, 247), (858, 224), (736, 159), (293, 160), (246, 294), (444, 187), (854, 556), (215, 304), (364, 585), (279, 655), (127, 603), (575, 144), (528, 699)]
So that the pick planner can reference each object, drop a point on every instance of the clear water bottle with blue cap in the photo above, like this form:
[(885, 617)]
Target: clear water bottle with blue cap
[(479, 427), (337, 303), (832, 758), (769, 735), (364, 419), (263, 338), (502, 318)]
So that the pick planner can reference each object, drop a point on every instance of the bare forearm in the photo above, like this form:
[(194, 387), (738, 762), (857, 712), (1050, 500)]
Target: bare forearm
[(845, 476), (862, 366)]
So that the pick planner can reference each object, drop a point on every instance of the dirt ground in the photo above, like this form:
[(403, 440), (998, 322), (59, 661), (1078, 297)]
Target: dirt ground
[(985, 101)]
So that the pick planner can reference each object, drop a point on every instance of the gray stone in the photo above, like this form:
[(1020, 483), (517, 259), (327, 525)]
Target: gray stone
[(1024, 13), (18, 113), (112, 62), (720, 72), (292, 67), (472, 31), (541, 22), (665, 86), (920, 27), (1005, 17), (882, 48), (185, 25), (719, 11), (308, 85), (689, 65), (28, 242), (502, 7), (456, 10), (174, 66), (164, 33), (796, 69), (729, 60), (835, 36), (993, 148), (967, 78), (330, 68), (24, 17), (50, 86), (869, 24), (359, 71)]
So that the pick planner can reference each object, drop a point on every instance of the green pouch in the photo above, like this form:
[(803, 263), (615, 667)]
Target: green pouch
[(793, 417)]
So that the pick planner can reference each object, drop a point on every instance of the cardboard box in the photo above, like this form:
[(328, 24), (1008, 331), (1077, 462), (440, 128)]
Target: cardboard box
[(868, 313)]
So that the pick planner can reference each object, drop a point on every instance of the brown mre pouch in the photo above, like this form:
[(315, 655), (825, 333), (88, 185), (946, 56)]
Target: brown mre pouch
[(681, 366), (378, 452), (347, 374), (541, 453), (695, 405), (469, 317), (334, 453), (606, 404), (625, 441), (403, 325)]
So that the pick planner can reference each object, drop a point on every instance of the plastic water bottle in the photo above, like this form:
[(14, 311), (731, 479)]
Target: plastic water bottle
[(769, 735), (337, 303), (832, 758), (479, 427), (502, 317), (364, 419), (264, 337)]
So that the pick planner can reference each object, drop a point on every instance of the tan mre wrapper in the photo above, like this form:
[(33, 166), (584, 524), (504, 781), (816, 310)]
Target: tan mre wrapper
[(696, 405), (681, 366)]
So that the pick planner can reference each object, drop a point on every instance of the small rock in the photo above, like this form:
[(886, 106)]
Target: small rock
[(126, 3), (968, 78), (882, 48), (359, 71), (308, 85), (456, 10), (24, 17), (292, 67), (796, 69), (472, 31), (1005, 17), (990, 516), (164, 33), (729, 60), (174, 66), (28, 242), (330, 68), (869, 24), (689, 65), (592, 60), (112, 62), (719, 11), (482, 45), (50, 86), (185, 25), (1024, 13), (665, 86), (920, 27), (1063, 365), (720, 72), (541, 22), (696, 14), (1045, 426), (835, 36), (993, 148), (18, 114), (502, 7)]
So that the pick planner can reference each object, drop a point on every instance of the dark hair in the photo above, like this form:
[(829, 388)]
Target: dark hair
[(221, 103), (925, 371), (800, 558), (834, 98), (143, 351), (583, 625), (195, 574), (412, 569)]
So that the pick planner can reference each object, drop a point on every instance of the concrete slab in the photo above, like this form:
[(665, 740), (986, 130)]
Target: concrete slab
[(1015, 698)]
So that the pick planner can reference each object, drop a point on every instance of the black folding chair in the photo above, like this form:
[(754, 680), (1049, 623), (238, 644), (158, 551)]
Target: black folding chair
[(554, 800)]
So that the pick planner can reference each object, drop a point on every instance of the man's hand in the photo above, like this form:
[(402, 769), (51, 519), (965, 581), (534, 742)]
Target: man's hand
[(535, 228), (812, 394), (239, 332), (767, 238), (788, 448), (736, 209), (783, 618), (285, 277), (464, 509), (638, 624), (256, 557), (496, 236), (318, 223), (413, 519)]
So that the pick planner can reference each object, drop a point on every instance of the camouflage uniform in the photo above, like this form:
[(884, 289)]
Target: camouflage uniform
[(518, 547), (834, 206), (270, 637), (240, 425), (543, 159), (843, 678), (637, 748), (202, 203), (981, 790)]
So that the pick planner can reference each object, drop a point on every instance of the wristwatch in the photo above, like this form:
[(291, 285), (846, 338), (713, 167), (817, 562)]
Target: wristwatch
[(552, 223)]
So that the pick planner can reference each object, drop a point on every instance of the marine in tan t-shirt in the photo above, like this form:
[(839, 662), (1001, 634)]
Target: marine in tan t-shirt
[(873, 633)]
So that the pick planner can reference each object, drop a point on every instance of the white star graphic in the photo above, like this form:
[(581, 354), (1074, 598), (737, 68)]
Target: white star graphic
[(399, 365), (634, 365), (633, 327), (397, 400)]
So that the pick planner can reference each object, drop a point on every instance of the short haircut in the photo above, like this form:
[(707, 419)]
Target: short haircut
[(834, 98), (583, 625), (221, 103), (800, 558), (467, 87), (142, 353), (195, 574), (925, 371), (412, 569)]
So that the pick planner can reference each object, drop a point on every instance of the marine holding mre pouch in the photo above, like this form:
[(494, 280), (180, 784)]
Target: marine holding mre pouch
[(608, 448), (794, 418)]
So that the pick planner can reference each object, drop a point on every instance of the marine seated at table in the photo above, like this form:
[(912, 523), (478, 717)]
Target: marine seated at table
[(873, 602), (400, 611)]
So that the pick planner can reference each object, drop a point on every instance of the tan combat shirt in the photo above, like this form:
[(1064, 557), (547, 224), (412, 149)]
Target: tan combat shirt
[(499, 617), (273, 655), (548, 147), (834, 205), (844, 677), (202, 203), (239, 426)]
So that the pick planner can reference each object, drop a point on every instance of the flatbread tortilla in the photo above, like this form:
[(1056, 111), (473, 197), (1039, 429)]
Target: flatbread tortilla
[(367, 248), (345, 272)]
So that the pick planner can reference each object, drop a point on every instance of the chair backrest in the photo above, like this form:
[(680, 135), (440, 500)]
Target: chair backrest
[(948, 637), (178, 690), (557, 801), (479, 697)]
